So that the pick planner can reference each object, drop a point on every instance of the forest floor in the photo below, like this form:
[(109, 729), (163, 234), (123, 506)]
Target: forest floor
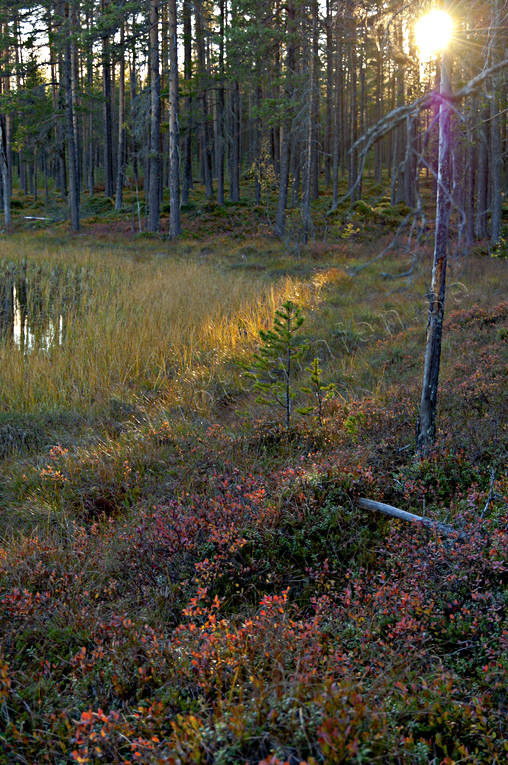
[(183, 580)]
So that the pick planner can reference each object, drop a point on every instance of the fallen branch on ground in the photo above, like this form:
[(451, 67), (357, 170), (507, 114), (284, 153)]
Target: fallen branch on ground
[(395, 512)]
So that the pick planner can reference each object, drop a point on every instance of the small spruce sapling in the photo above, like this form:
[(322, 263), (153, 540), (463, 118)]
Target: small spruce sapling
[(317, 389), (273, 366)]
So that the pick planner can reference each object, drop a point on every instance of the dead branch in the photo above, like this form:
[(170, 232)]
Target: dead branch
[(395, 512), (391, 120), (491, 493)]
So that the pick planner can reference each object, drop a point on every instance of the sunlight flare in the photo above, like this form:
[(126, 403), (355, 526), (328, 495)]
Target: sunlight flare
[(433, 33)]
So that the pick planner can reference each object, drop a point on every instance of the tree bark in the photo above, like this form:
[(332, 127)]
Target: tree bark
[(155, 113), (428, 403), (69, 122), (314, 138), (280, 220), (90, 154), (5, 150), (108, 118), (234, 154), (4, 172), (220, 108), (120, 175), (482, 177), (329, 94), (308, 228), (187, 70), (202, 72), (174, 149)]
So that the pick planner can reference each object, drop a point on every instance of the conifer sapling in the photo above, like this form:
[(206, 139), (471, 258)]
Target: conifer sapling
[(317, 389), (273, 366)]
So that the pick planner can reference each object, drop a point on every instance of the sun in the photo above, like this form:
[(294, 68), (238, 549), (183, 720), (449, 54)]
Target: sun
[(433, 33)]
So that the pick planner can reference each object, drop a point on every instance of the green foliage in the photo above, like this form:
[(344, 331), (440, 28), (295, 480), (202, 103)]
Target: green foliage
[(99, 204), (317, 390), (274, 364)]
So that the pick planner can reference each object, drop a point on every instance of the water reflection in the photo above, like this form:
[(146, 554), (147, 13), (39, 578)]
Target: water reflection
[(34, 305), (38, 334)]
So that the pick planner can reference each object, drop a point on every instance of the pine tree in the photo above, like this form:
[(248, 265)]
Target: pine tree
[(317, 389), (273, 366)]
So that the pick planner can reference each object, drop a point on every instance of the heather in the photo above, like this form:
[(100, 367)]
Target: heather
[(185, 580)]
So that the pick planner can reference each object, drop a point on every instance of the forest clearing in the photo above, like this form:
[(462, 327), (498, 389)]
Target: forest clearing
[(253, 377), (183, 580)]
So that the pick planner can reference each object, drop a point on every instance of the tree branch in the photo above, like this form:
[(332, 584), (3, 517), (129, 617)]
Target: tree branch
[(395, 512)]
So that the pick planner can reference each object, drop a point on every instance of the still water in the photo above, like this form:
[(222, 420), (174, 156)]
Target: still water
[(35, 305)]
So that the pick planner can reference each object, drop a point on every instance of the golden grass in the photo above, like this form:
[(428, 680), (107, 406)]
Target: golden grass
[(163, 329), (151, 327)]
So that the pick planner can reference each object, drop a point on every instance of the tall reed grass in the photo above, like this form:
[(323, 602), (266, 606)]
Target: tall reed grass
[(141, 327)]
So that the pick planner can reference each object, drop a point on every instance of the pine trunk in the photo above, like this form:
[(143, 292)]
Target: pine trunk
[(155, 111), (187, 69), (69, 123), (280, 220), (108, 119), (121, 126), (204, 133), (174, 153)]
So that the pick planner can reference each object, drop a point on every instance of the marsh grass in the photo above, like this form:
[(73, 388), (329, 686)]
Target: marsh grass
[(143, 328), (155, 339)]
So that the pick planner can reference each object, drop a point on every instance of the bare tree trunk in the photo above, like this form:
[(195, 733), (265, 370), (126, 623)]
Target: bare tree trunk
[(329, 94), (338, 142), (378, 148), (60, 106), (496, 173), (470, 179), (482, 177), (315, 70), (187, 68), (132, 84), (353, 116), (220, 108), (4, 172), (204, 133), (257, 146), (308, 228), (69, 121), (5, 144), (280, 220), (108, 118), (496, 156), (75, 92), (428, 404), (234, 155), (155, 114), (90, 159), (121, 126), (174, 152)]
